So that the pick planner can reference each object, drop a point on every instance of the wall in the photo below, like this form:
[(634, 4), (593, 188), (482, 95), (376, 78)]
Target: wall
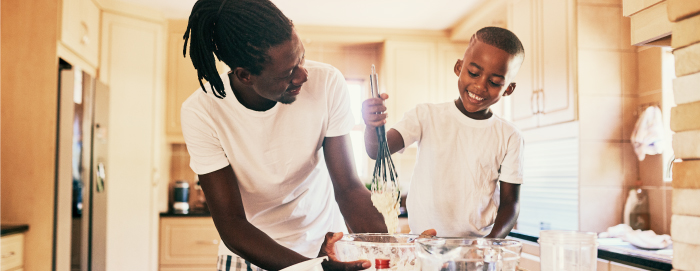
[(29, 105), (607, 99), (686, 142)]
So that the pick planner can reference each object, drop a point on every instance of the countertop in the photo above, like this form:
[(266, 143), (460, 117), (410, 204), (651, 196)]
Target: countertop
[(8, 229), (621, 252), (190, 214)]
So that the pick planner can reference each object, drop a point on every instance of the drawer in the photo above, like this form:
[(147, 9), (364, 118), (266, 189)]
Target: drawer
[(12, 251), (187, 268), (188, 241)]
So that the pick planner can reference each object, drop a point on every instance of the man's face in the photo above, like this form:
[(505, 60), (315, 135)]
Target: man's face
[(282, 76), (485, 75)]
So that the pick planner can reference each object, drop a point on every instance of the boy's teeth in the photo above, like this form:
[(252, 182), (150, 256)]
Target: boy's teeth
[(473, 96)]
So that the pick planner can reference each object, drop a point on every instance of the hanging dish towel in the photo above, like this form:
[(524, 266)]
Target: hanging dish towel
[(648, 134)]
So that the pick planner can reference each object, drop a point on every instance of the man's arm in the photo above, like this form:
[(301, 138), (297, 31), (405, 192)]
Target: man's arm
[(224, 200), (508, 210), (352, 196)]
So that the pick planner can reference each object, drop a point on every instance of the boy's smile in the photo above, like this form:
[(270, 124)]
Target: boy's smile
[(484, 77)]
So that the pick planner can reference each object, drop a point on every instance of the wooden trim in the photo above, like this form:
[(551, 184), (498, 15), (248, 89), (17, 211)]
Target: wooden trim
[(75, 59), (681, 9), (686, 32), (650, 25), (631, 7)]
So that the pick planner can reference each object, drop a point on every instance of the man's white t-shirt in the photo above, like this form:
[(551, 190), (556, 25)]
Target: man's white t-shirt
[(276, 155), (454, 188)]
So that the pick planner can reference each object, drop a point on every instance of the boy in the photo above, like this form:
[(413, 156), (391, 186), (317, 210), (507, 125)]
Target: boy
[(464, 149)]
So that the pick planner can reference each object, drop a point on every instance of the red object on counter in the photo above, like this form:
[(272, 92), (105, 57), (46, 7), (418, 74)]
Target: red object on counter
[(381, 264)]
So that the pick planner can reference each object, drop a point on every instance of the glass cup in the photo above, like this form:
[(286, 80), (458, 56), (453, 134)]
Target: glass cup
[(483, 254)]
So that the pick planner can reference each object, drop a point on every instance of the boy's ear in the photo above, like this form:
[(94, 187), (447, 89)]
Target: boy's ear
[(510, 89), (458, 67), (243, 75)]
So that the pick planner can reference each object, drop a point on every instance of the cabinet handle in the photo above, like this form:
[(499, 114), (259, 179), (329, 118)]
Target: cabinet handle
[(8, 255), (206, 242), (85, 39), (533, 103), (540, 108)]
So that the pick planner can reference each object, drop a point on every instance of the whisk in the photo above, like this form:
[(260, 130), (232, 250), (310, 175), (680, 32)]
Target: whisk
[(384, 179)]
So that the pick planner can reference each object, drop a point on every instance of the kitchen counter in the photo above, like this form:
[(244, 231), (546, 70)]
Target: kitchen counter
[(622, 252), (8, 229), (190, 214)]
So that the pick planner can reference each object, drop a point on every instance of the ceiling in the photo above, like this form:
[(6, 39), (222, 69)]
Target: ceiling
[(408, 14)]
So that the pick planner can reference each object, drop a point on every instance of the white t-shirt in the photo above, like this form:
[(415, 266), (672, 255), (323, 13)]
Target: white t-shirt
[(454, 188), (276, 155)]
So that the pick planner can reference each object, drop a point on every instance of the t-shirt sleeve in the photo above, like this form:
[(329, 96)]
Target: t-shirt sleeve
[(409, 127), (512, 166), (203, 145), (340, 119)]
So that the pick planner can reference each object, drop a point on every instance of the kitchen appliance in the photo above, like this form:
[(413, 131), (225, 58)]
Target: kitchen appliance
[(483, 254), (181, 192), (81, 203), (568, 251), (399, 249)]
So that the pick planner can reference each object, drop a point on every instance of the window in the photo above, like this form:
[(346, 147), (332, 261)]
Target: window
[(357, 96)]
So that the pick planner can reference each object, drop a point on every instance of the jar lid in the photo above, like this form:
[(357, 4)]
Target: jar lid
[(381, 263)]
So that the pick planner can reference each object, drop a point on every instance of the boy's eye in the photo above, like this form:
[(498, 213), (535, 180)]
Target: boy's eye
[(472, 74), (495, 84)]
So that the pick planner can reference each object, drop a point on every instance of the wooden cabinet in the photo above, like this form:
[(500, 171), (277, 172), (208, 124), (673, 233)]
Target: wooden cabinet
[(181, 79), (546, 92), (188, 243), (133, 65), (12, 252), (80, 29)]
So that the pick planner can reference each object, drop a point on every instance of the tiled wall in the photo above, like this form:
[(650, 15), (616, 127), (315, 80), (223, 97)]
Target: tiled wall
[(686, 184), (607, 91)]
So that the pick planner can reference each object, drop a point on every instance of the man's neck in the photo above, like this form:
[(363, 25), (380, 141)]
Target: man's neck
[(478, 115), (247, 96)]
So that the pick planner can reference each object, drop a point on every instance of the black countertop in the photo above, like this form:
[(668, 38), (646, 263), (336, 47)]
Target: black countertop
[(13, 228), (190, 214), (623, 256)]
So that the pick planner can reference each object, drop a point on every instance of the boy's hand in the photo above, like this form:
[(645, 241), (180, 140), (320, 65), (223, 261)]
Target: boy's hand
[(373, 111), (328, 249)]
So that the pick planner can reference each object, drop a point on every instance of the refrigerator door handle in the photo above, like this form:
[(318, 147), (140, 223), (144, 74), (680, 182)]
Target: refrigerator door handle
[(100, 174)]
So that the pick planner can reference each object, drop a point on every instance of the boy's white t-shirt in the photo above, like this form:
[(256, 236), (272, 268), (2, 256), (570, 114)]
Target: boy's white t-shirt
[(454, 188), (276, 155)]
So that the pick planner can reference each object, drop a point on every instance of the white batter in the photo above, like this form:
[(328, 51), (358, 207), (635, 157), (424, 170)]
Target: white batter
[(387, 204)]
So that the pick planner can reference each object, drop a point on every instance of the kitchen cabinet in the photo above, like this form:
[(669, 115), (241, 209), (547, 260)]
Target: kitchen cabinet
[(12, 252), (415, 72), (80, 29), (181, 79), (545, 92), (188, 243), (133, 65)]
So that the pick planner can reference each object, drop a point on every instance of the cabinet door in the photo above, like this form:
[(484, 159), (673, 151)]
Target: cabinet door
[(182, 80), (557, 99), (133, 63), (188, 241), (80, 28), (447, 56), (521, 22), (409, 76)]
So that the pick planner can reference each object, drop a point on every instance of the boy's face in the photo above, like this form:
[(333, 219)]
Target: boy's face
[(485, 75)]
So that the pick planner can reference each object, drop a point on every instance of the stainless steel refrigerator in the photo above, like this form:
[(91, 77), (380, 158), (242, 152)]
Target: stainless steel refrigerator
[(80, 199)]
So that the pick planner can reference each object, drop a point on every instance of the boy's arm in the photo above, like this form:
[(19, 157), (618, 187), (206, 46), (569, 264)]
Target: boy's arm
[(374, 115), (508, 210)]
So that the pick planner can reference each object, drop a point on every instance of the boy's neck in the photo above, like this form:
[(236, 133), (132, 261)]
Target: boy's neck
[(478, 115)]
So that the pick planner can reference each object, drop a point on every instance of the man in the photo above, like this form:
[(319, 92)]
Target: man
[(272, 193)]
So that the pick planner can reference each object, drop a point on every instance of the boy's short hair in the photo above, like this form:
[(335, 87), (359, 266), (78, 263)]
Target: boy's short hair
[(502, 39)]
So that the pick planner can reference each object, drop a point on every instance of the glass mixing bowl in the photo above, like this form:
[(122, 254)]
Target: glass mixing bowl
[(398, 248), (482, 254)]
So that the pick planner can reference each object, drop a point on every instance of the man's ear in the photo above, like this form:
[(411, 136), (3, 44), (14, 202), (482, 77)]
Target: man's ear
[(458, 67), (510, 89), (243, 76)]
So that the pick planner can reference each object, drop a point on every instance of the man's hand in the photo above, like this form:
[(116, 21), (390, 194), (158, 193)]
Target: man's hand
[(328, 249), (374, 111)]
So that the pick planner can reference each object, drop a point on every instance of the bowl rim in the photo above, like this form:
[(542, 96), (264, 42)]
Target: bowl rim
[(412, 243), (504, 242)]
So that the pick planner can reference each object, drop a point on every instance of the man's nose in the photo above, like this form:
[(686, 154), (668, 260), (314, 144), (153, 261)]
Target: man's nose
[(301, 77)]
